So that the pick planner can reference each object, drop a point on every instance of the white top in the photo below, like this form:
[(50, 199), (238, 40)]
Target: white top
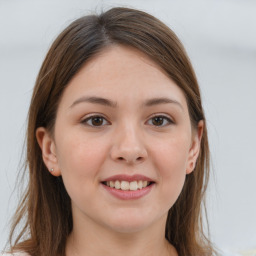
[(15, 254)]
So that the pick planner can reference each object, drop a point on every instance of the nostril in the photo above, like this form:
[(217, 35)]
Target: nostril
[(137, 159)]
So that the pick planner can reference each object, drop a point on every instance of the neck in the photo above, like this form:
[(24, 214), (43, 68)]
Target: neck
[(96, 241)]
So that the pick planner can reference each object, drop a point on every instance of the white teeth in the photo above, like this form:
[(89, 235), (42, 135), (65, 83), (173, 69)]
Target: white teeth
[(144, 184), (112, 184), (117, 184), (126, 185), (133, 185), (140, 184)]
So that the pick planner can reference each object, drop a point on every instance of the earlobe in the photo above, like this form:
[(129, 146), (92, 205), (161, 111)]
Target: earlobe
[(48, 148), (195, 147)]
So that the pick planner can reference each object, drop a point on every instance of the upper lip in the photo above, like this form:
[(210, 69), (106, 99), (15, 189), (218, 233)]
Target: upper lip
[(129, 178)]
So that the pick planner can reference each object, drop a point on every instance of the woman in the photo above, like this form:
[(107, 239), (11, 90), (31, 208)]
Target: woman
[(117, 147)]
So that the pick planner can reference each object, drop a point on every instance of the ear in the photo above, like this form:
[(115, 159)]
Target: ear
[(195, 147), (48, 148)]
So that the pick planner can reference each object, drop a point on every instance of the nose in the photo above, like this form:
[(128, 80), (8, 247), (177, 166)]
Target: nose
[(128, 146)]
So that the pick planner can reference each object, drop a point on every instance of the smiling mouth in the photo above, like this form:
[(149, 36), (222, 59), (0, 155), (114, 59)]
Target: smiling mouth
[(126, 185)]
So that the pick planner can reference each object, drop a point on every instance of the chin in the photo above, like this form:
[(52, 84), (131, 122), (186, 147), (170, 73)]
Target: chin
[(129, 228), (130, 222)]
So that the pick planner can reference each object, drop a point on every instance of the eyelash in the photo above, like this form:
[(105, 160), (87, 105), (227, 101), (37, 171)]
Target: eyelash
[(85, 121)]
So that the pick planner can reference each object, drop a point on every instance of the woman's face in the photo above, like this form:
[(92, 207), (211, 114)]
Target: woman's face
[(123, 141)]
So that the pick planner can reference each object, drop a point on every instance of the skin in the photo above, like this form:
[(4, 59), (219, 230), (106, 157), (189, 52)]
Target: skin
[(127, 141)]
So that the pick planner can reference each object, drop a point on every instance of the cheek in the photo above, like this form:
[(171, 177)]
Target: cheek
[(172, 155), (171, 161), (80, 160), (79, 157)]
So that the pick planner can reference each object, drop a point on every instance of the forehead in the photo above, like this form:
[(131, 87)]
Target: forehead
[(122, 73)]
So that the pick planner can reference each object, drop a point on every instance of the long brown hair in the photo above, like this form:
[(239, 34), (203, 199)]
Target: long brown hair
[(46, 204)]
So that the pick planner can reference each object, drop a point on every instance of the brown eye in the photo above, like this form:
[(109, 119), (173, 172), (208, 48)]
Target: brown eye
[(95, 121), (160, 120)]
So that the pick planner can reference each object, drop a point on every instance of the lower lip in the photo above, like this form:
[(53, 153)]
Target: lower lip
[(129, 194)]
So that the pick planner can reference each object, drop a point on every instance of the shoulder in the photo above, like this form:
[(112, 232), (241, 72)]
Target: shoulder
[(233, 253), (14, 254)]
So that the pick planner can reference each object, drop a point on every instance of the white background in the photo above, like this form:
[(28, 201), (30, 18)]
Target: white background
[(220, 37)]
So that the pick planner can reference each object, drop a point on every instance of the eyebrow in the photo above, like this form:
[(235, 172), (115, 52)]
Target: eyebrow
[(112, 104), (95, 100)]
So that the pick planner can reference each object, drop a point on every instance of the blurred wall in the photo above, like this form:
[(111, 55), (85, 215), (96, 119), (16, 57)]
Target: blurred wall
[(220, 37)]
